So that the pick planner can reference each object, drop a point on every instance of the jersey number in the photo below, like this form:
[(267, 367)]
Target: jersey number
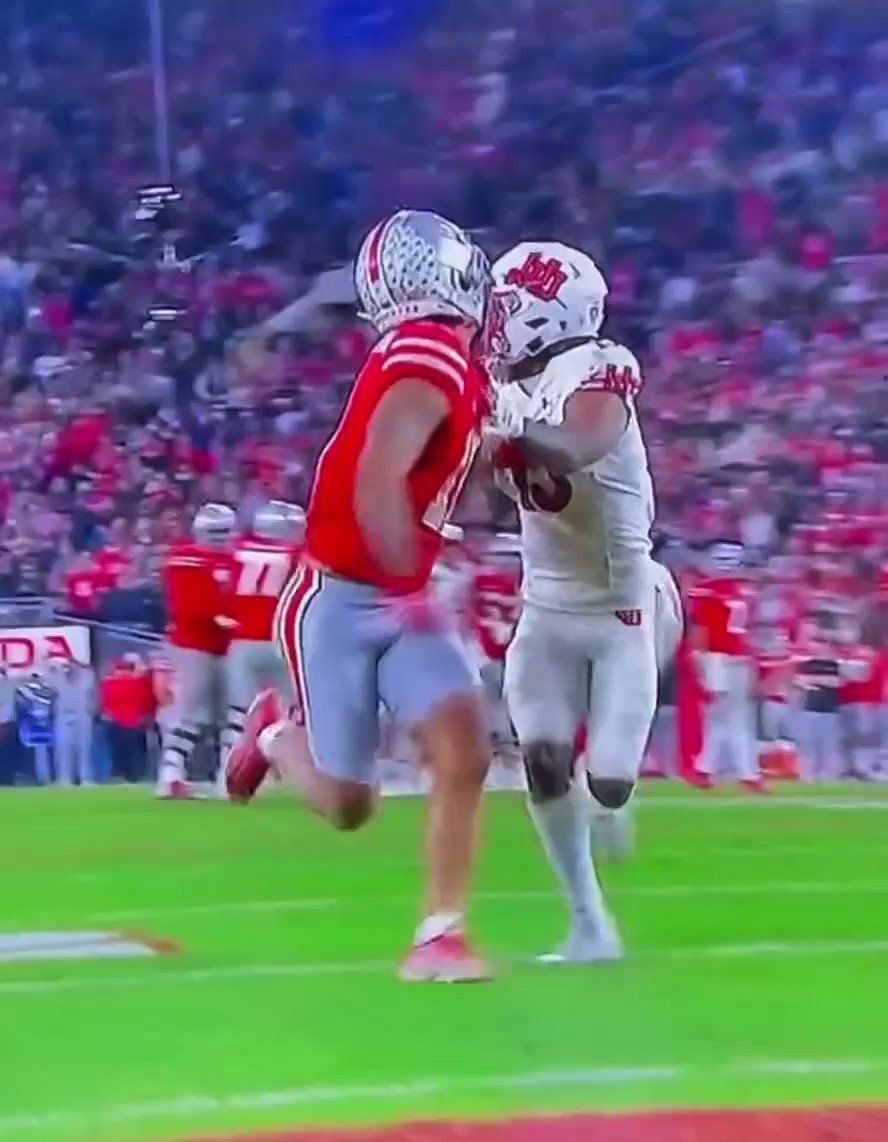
[(261, 574), (738, 615)]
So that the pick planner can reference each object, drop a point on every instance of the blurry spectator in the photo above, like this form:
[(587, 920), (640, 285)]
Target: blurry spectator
[(127, 705), (9, 744)]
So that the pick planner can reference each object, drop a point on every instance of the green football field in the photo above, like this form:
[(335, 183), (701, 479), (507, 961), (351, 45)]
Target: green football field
[(757, 972)]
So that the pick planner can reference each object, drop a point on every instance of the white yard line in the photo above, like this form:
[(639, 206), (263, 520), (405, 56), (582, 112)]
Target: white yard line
[(258, 971), (191, 1105), (770, 801), (767, 889), (137, 916), (297, 904), (857, 847)]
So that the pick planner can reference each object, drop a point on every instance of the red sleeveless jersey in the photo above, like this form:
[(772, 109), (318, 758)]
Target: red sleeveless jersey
[(429, 351)]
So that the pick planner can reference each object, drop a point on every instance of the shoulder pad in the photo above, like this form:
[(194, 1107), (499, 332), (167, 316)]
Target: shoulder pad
[(593, 366)]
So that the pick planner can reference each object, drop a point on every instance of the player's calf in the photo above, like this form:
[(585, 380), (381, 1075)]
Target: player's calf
[(454, 744), (351, 806)]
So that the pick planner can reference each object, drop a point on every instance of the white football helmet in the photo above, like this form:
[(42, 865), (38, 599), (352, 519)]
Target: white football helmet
[(214, 523), (417, 264), (725, 556), (543, 293), (279, 520)]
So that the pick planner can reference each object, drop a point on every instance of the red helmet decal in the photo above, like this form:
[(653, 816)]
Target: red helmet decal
[(542, 278)]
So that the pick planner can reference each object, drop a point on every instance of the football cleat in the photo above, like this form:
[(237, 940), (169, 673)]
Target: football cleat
[(588, 945), (446, 959), (246, 767), (175, 790)]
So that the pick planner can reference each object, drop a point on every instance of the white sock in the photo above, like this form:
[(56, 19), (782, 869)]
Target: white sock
[(268, 737), (169, 772), (565, 829), (436, 925)]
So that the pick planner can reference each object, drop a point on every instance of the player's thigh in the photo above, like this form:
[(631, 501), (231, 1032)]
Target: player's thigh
[(714, 672), (238, 675), (192, 685), (739, 680), (252, 666), (332, 665), (419, 671), (773, 720), (622, 696), (492, 672), (545, 679)]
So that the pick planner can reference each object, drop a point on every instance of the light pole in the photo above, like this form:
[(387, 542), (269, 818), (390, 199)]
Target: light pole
[(159, 83)]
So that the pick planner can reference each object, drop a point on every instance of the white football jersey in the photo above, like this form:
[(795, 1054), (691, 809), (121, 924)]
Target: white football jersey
[(595, 554)]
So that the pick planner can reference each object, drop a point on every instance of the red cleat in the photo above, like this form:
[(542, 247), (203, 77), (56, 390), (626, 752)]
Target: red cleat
[(246, 767), (175, 790), (754, 785), (700, 781), (446, 959)]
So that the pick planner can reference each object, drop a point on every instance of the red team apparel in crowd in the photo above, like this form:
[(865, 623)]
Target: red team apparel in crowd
[(416, 350)]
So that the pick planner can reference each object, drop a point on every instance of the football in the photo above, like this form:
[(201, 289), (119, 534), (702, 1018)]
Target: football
[(547, 493)]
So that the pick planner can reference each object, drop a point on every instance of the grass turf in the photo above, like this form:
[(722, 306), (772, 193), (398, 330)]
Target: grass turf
[(757, 930)]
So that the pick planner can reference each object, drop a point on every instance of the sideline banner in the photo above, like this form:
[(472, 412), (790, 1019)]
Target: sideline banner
[(24, 649)]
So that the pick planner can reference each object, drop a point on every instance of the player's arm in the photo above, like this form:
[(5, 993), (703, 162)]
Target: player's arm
[(593, 423), (399, 430)]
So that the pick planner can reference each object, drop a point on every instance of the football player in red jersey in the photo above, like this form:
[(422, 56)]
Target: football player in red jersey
[(196, 578), (357, 624), (720, 607), (493, 613), (264, 561)]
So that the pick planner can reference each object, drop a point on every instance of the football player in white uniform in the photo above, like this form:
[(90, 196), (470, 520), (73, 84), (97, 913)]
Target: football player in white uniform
[(569, 447)]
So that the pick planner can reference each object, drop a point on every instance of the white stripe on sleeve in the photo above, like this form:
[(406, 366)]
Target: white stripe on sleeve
[(427, 363)]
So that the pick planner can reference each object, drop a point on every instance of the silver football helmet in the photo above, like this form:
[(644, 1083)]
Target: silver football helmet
[(214, 524), (279, 520), (417, 264)]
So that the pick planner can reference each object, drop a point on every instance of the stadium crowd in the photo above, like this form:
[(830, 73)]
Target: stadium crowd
[(728, 166)]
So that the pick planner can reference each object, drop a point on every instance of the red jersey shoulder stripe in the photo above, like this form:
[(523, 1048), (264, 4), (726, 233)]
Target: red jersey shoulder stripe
[(427, 356), (406, 343)]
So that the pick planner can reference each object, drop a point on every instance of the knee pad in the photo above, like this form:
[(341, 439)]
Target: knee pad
[(549, 770), (611, 792)]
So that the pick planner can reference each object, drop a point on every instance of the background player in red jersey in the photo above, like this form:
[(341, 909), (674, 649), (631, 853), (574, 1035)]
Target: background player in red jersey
[(774, 681), (358, 623), (264, 561), (720, 610), (860, 702), (196, 581), (494, 608)]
